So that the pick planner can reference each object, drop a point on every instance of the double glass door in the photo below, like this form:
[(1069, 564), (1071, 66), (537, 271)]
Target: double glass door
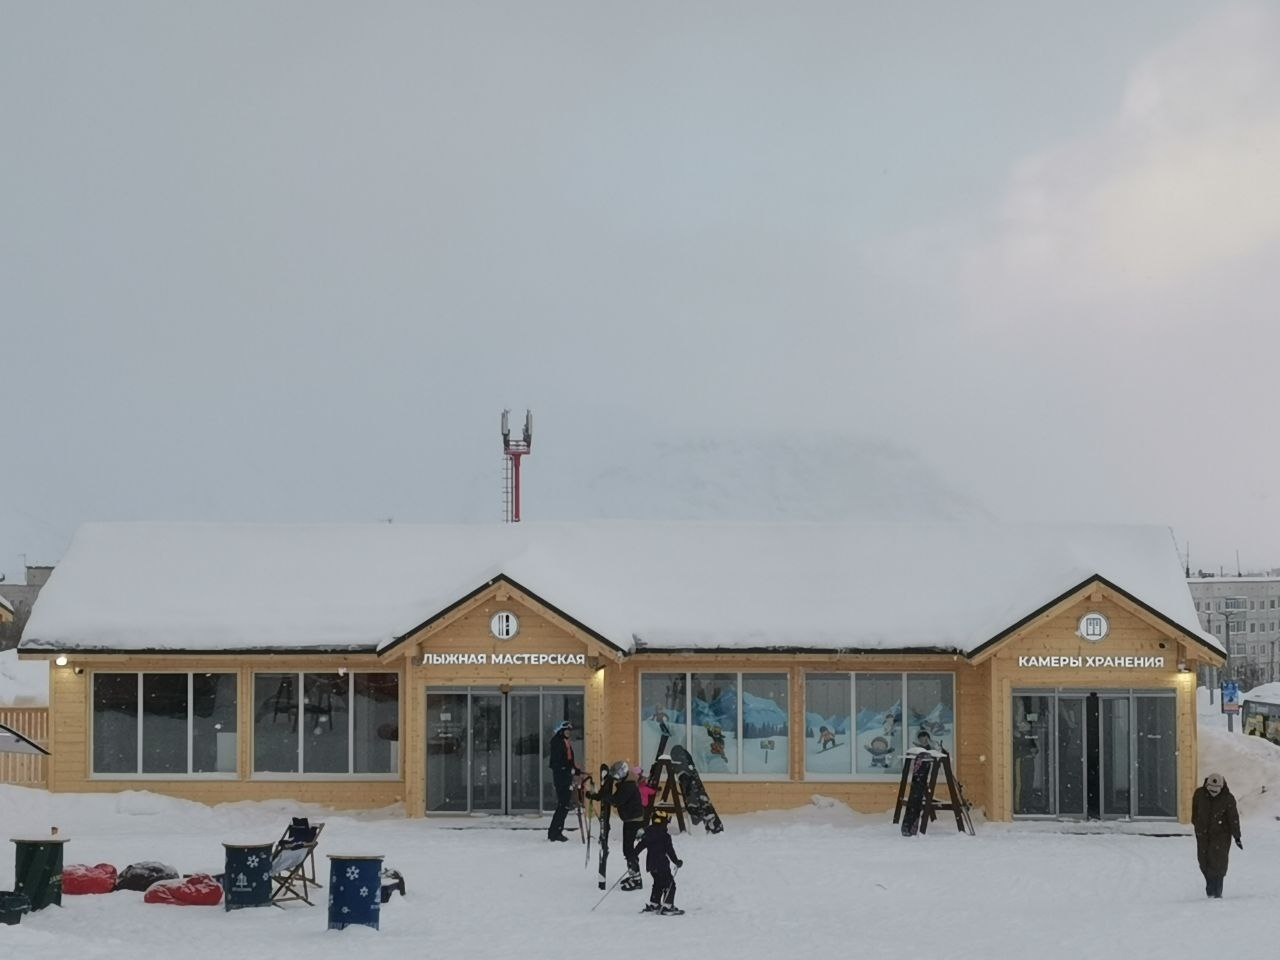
[(1095, 755), (488, 750)]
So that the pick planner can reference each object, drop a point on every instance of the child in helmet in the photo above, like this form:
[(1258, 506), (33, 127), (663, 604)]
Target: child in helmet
[(657, 840)]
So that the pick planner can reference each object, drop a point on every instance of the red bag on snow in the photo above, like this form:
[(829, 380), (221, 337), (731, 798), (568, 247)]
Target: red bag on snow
[(197, 890), (80, 879)]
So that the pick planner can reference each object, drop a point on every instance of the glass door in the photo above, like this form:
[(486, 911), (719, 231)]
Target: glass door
[(1115, 761), (1070, 764), (447, 743), (1156, 755), (486, 753), (525, 762), (1032, 751)]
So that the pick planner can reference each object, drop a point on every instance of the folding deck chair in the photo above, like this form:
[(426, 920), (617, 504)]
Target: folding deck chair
[(293, 862)]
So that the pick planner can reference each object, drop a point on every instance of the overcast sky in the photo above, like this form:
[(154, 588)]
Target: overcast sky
[(290, 260)]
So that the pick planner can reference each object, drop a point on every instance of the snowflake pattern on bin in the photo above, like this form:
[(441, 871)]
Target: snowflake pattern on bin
[(354, 893)]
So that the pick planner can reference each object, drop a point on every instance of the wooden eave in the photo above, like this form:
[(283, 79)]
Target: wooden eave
[(501, 588), (1097, 587)]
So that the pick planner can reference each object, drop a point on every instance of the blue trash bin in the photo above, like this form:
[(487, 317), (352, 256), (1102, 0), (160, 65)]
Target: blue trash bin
[(355, 888), (247, 879)]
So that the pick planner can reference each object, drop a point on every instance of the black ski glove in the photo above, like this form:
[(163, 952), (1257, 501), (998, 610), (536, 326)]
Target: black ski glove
[(679, 863), (1239, 844)]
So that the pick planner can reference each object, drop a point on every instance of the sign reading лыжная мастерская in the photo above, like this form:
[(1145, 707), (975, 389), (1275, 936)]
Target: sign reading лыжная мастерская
[(505, 659), (1115, 663)]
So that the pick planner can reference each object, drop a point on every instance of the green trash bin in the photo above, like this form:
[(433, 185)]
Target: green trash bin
[(37, 871)]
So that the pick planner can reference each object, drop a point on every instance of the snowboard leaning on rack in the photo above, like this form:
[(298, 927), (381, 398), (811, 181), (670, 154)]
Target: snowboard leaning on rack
[(921, 769), (696, 801)]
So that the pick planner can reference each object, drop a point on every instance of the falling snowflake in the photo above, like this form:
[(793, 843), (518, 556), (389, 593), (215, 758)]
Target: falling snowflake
[(353, 872)]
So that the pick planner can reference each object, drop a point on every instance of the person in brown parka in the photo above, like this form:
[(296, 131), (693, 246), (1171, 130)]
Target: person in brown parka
[(1217, 823)]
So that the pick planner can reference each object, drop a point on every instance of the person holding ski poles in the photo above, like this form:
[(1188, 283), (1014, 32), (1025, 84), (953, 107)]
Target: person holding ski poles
[(657, 841), (563, 770)]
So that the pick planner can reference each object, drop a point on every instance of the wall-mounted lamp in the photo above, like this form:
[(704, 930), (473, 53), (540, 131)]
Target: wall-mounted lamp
[(78, 671), (60, 659), (1182, 665)]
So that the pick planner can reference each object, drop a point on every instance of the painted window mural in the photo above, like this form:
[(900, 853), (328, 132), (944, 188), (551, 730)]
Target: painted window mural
[(732, 723), (888, 711)]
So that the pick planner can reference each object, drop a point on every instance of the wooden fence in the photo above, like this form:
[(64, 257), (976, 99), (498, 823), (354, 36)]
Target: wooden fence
[(22, 768)]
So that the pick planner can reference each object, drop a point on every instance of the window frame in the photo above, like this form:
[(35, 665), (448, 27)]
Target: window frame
[(893, 776), (300, 775), (738, 675), (138, 739)]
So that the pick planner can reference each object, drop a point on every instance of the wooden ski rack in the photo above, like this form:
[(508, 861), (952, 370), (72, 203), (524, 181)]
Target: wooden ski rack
[(667, 796), (958, 805)]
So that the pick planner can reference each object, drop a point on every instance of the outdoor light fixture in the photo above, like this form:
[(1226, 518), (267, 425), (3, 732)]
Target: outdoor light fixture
[(1182, 665), (61, 660)]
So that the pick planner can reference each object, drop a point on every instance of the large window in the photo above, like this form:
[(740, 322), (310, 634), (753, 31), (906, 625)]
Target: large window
[(164, 724), (731, 723), (862, 723), (327, 724)]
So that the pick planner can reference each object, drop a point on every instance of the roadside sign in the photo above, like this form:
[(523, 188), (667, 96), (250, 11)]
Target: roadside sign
[(1230, 697)]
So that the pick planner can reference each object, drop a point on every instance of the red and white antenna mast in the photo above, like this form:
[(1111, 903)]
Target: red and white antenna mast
[(512, 451)]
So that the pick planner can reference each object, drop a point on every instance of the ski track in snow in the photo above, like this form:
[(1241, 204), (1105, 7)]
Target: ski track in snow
[(815, 881)]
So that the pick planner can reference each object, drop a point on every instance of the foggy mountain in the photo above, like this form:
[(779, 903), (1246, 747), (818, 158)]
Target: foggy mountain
[(738, 478)]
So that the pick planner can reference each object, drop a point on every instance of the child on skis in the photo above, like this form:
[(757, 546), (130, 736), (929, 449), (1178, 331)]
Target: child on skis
[(657, 841)]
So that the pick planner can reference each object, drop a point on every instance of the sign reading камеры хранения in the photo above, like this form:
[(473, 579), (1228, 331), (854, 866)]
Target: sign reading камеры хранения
[(1115, 663), (504, 659)]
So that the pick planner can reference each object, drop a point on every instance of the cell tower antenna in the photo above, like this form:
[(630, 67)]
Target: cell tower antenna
[(512, 451)]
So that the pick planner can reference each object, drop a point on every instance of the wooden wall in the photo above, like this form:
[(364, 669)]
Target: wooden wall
[(1132, 634), (467, 632), (71, 709)]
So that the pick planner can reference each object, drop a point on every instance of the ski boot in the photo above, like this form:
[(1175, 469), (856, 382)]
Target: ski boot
[(653, 908), (671, 910), (631, 881)]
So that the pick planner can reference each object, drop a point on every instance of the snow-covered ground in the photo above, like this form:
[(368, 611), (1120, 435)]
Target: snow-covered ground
[(819, 880)]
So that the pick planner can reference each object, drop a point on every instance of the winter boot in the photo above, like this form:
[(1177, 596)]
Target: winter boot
[(632, 881)]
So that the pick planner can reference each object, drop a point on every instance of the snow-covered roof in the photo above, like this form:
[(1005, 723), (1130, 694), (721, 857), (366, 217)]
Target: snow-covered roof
[(638, 585)]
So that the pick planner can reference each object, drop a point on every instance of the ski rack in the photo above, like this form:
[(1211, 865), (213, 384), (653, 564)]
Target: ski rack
[(668, 797), (958, 805)]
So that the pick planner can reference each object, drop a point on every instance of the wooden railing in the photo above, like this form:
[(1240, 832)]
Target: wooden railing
[(25, 769)]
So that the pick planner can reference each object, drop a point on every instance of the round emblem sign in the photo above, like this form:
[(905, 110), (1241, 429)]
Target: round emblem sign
[(504, 625), (1094, 627)]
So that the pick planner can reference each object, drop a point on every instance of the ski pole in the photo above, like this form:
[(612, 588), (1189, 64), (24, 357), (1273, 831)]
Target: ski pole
[(609, 891)]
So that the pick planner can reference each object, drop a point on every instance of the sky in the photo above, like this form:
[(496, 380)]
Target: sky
[(290, 261)]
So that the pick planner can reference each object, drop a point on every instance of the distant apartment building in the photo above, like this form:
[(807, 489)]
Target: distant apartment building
[(20, 597), (1244, 613)]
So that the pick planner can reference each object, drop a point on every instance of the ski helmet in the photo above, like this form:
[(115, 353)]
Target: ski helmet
[(620, 770), (661, 818), (562, 726)]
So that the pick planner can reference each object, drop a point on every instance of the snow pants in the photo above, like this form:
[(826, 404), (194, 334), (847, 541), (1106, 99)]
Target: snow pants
[(563, 780), (629, 830), (663, 891)]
